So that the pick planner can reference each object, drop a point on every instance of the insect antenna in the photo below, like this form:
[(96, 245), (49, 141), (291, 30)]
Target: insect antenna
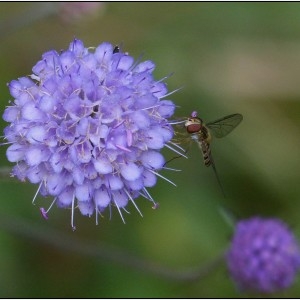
[(185, 151)]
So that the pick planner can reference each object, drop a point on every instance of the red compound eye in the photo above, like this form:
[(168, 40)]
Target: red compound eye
[(193, 128)]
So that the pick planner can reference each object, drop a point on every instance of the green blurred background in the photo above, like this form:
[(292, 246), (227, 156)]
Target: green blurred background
[(228, 57)]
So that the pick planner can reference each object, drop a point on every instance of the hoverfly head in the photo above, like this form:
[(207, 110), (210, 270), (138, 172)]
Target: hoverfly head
[(193, 124)]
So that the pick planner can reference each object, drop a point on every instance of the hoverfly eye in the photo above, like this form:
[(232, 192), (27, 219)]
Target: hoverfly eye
[(193, 128)]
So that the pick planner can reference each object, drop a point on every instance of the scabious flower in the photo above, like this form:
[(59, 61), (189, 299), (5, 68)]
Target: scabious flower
[(264, 255), (88, 126), (75, 11)]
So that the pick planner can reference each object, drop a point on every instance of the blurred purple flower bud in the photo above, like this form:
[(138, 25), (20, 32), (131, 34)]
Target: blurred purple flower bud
[(264, 255), (74, 11)]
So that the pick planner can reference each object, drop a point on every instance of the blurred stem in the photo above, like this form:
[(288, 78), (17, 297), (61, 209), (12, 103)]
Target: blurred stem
[(35, 12), (104, 252), (5, 172)]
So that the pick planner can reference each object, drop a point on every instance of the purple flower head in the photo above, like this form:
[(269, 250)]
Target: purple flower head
[(264, 255), (88, 126), (75, 11)]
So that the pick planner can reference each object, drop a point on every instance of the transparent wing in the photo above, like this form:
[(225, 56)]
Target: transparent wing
[(224, 126)]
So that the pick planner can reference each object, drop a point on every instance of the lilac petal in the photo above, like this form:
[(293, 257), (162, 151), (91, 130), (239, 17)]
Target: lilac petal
[(39, 67), (11, 113), (51, 59), (67, 60), (125, 62), (152, 160), (154, 139), (97, 183), (10, 134), (86, 208), (20, 171), (36, 174), (119, 140), (146, 101), (114, 182), (95, 128), (81, 152), (90, 171), (67, 132), (35, 155), (65, 198), (90, 63), (104, 52), (130, 171), (166, 108), (84, 192), (15, 88), (77, 47), (15, 152), (135, 185), (36, 134), (149, 179), (159, 89), (120, 198), (140, 119), (23, 99), (72, 105), (103, 166), (55, 184), (78, 175), (103, 131), (167, 133), (83, 127), (102, 198), (50, 85), (31, 113), (146, 66), (56, 162), (21, 128), (26, 83), (47, 104)]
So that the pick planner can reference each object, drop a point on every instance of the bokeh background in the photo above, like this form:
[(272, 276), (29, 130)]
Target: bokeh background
[(228, 58)]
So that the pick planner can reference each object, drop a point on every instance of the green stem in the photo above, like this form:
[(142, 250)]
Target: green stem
[(5, 172), (104, 252)]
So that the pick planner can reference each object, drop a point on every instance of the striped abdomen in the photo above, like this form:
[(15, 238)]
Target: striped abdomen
[(203, 140), (205, 148)]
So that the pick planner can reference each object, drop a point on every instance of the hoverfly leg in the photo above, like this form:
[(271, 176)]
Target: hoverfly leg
[(185, 151), (173, 158)]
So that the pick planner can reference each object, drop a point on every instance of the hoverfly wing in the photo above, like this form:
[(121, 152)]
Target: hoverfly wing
[(225, 125)]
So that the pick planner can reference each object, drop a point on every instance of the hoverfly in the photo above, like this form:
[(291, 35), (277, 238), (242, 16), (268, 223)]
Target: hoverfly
[(202, 133)]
